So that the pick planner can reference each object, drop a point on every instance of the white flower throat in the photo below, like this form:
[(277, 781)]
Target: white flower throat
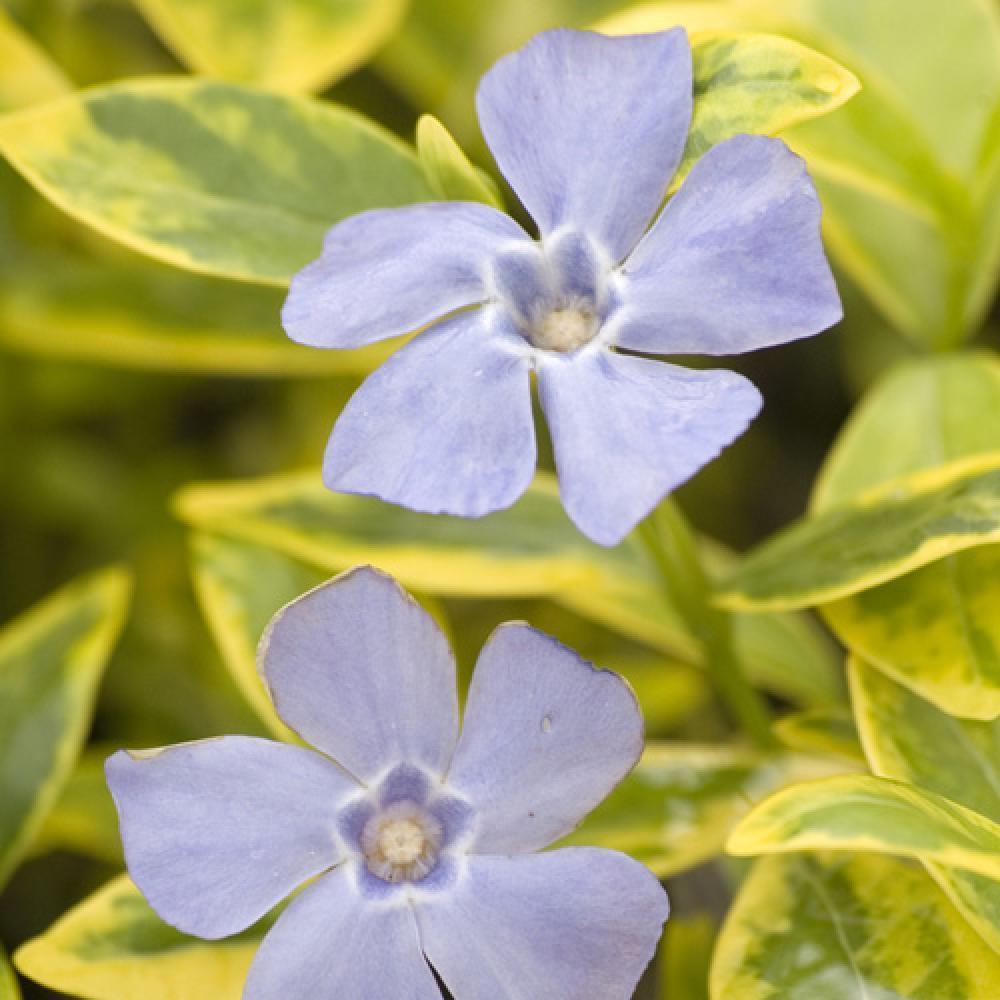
[(401, 842)]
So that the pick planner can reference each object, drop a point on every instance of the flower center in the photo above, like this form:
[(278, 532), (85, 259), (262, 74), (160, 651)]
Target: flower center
[(401, 842), (564, 329)]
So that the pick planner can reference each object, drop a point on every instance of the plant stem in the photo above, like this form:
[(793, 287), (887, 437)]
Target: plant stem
[(671, 544)]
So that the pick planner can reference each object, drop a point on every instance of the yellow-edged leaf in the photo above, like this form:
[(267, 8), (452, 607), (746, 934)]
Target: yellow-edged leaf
[(214, 177), (51, 662), (904, 525), (9, 990), (847, 927), (112, 946), (909, 739), (863, 813), (293, 45), (936, 629), (827, 730)]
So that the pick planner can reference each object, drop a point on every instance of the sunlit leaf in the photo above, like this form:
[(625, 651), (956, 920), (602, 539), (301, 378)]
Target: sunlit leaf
[(847, 927), (212, 177), (294, 45), (51, 662), (936, 629), (531, 550), (862, 813), (114, 947), (828, 730), (27, 75), (450, 174), (909, 739), (678, 806), (910, 523)]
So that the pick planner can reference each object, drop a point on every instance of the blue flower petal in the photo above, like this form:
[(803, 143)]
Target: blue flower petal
[(589, 130), (627, 431), (735, 262), (332, 944), (219, 831), (445, 425), (391, 271), (573, 924), (363, 673), (546, 737)]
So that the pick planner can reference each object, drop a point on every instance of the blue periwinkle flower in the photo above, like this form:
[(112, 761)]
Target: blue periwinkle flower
[(589, 131), (415, 843)]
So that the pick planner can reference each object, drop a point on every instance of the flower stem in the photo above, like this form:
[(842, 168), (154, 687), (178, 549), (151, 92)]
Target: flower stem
[(672, 547)]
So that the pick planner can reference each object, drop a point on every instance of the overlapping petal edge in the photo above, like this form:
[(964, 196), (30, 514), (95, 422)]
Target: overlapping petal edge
[(217, 832), (589, 131)]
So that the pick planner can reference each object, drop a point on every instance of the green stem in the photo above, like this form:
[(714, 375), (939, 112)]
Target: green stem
[(672, 546)]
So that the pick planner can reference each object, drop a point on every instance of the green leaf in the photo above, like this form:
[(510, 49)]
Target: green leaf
[(9, 990), (903, 526), (209, 176), (862, 813), (909, 739), (855, 927), (133, 313), (678, 806), (828, 730), (293, 45), (51, 662), (936, 629), (531, 550), (450, 174), (27, 75), (84, 819), (112, 946), (758, 84)]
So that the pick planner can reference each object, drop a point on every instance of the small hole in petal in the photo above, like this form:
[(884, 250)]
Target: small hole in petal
[(547, 724)]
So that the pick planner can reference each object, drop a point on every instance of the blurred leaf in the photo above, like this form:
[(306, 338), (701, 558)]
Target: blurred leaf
[(757, 84), (685, 957), (901, 527), (909, 739), (911, 199), (678, 806), (293, 45), (9, 989), (828, 730), (51, 662), (84, 820), (862, 813), (856, 927), (240, 587), (530, 550), (112, 946), (450, 174), (134, 313), (27, 75), (212, 177)]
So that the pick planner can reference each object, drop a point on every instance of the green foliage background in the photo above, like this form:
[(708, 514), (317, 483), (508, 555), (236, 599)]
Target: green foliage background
[(154, 419)]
